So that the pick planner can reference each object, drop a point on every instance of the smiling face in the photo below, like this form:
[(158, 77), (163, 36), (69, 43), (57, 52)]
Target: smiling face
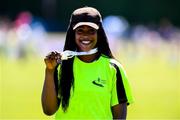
[(85, 38)]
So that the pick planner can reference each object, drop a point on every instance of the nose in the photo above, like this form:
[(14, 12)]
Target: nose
[(85, 36)]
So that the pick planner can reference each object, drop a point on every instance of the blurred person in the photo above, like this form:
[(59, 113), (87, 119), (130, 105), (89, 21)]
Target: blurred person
[(38, 37), (93, 86), (166, 29), (4, 28), (116, 30), (23, 33)]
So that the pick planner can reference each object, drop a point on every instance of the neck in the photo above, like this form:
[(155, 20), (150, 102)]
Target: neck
[(88, 58)]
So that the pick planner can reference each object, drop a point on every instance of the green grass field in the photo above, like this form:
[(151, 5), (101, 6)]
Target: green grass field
[(154, 76)]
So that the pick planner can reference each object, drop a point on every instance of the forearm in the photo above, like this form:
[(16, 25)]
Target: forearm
[(49, 95), (119, 111)]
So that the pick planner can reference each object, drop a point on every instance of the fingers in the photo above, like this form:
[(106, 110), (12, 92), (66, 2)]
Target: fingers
[(53, 56), (57, 56), (51, 60)]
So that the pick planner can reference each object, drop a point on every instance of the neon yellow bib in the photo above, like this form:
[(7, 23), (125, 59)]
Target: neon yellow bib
[(94, 90)]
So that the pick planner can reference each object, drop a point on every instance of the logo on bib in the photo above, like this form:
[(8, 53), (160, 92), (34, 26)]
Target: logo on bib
[(99, 82)]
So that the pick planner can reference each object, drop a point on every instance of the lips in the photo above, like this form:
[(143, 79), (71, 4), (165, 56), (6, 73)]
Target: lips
[(85, 42)]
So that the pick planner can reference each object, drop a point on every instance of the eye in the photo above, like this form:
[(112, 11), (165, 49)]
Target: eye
[(79, 31), (92, 31)]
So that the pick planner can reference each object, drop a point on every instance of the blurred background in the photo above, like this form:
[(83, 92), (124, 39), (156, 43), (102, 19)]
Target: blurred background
[(144, 36)]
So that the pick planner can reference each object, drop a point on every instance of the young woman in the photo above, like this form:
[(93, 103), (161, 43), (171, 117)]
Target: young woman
[(93, 86)]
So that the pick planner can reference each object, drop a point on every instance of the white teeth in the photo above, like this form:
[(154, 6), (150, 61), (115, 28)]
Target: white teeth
[(85, 42)]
